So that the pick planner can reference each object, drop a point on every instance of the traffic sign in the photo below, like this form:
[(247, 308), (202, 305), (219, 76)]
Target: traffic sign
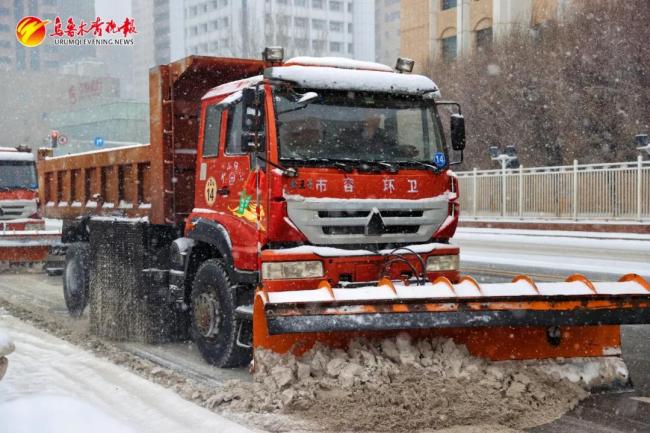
[(99, 142)]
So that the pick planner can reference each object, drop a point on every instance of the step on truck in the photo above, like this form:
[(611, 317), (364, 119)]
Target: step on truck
[(284, 203)]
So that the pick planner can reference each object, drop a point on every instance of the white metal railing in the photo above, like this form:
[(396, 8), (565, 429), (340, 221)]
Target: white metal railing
[(615, 191)]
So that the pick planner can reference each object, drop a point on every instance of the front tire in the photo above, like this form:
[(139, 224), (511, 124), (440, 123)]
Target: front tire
[(214, 326), (76, 277)]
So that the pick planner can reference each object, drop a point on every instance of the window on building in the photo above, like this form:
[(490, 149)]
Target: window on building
[(336, 6), (204, 7), (223, 22), (283, 2), (318, 24), (350, 27), (211, 131), (224, 3), (214, 46), (483, 39), (4, 60), (300, 3), (7, 44), (449, 49), (448, 4), (350, 7), (317, 4), (318, 44), (336, 47), (215, 4), (301, 43), (350, 48), (193, 11), (336, 26), (194, 30), (301, 22), (4, 12), (4, 28), (214, 25), (203, 28)]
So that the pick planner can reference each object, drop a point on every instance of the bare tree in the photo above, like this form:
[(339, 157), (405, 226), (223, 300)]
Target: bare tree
[(570, 89)]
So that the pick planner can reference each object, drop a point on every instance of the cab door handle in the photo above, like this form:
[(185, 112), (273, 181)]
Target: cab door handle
[(224, 191)]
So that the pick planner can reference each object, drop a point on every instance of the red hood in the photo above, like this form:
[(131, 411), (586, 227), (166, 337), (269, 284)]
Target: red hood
[(334, 183)]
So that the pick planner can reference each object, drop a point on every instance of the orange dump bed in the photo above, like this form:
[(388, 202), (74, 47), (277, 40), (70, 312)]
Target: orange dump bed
[(154, 180)]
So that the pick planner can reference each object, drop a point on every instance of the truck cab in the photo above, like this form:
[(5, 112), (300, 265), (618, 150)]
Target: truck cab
[(319, 171)]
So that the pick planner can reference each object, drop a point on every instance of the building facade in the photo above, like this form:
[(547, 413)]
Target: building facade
[(387, 31), (242, 28), (433, 30)]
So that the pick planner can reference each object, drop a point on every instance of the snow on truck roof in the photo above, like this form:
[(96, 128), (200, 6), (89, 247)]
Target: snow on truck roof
[(13, 155), (332, 73), (337, 62)]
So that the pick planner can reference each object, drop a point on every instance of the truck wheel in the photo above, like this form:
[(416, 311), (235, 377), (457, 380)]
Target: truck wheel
[(214, 326), (76, 277)]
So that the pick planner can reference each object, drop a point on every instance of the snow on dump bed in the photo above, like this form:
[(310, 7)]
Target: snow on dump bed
[(315, 77), (338, 62)]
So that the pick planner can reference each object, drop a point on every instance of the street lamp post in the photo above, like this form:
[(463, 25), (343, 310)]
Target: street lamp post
[(507, 158), (642, 142)]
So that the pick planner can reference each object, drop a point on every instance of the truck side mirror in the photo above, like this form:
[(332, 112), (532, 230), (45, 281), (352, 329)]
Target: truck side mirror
[(252, 137), (457, 132)]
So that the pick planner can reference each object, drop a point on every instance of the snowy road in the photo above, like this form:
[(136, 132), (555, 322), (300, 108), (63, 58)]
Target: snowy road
[(54, 386), (101, 394)]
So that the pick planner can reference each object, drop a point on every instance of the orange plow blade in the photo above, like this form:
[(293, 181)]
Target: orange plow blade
[(19, 249), (518, 320)]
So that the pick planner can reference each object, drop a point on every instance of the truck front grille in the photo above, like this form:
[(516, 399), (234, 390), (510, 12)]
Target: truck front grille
[(327, 222)]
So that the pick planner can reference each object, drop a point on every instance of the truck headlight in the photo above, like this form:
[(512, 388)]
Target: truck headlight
[(291, 270), (443, 263)]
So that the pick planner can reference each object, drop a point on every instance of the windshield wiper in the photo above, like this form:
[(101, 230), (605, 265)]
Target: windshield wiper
[(335, 163), (420, 164)]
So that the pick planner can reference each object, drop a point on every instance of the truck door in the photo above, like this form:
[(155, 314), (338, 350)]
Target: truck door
[(207, 193)]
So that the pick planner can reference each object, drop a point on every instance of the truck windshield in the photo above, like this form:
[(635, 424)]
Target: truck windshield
[(356, 126), (17, 174)]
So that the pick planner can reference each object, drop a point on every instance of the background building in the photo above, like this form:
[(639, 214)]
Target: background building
[(304, 27), (445, 29), (387, 31)]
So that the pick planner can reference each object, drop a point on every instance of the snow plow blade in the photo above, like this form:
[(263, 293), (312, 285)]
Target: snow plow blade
[(518, 320), (24, 249)]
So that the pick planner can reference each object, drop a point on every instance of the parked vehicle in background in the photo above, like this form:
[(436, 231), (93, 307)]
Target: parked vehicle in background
[(20, 220)]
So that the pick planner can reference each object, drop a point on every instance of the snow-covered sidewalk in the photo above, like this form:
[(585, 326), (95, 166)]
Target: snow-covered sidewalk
[(53, 386), (611, 254)]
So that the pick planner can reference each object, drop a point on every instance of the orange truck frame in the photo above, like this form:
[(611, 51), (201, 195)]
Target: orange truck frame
[(280, 203)]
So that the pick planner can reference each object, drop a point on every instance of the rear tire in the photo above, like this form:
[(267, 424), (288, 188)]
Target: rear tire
[(76, 278), (214, 325)]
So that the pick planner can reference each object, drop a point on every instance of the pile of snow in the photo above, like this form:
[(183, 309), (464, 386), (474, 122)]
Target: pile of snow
[(400, 385), (6, 347)]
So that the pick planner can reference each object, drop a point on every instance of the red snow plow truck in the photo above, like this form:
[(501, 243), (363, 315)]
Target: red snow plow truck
[(21, 226), (283, 203)]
